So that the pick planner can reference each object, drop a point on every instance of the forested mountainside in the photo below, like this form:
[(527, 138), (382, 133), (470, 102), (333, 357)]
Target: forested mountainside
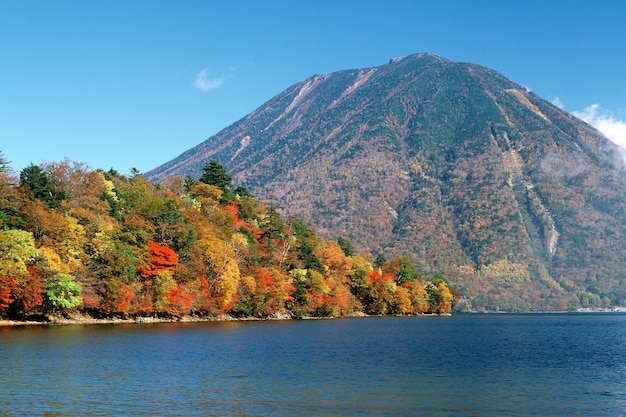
[(101, 244), (518, 203)]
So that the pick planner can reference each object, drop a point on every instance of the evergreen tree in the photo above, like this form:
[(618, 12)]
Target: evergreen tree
[(380, 260), (188, 184), (215, 174), (39, 186), (11, 214), (306, 243), (5, 165), (346, 246), (243, 192)]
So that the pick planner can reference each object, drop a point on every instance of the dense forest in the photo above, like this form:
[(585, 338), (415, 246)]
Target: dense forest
[(81, 242)]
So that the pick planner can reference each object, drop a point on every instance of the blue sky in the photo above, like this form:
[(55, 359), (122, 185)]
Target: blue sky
[(123, 84)]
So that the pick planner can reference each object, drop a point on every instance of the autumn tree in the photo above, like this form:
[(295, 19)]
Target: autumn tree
[(17, 252), (263, 294), (420, 301), (110, 245), (381, 291), (439, 295), (29, 294), (312, 293), (221, 270), (358, 283), (58, 236), (161, 258), (135, 286)]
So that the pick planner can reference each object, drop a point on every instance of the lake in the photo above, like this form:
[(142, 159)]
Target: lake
[(463, 365)]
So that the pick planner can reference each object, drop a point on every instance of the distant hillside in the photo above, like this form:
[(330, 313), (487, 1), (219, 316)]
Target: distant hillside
[(516, 202)]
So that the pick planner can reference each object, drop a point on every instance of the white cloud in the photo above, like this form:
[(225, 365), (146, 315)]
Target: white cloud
[(603, 120), (557, 102), (203, 83)]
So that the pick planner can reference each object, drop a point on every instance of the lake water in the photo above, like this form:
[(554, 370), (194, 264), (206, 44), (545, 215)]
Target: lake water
[(463, 365)]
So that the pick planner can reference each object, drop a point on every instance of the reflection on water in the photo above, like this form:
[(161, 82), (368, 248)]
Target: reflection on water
[(464, 365)]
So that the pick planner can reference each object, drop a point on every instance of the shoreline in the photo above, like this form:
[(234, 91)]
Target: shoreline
[(58, 321), (85, 320)]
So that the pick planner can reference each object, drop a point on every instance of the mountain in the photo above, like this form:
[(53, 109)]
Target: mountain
[(518, 203)]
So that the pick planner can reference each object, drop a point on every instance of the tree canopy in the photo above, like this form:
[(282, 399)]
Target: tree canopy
[(215, 174), (75, 240)]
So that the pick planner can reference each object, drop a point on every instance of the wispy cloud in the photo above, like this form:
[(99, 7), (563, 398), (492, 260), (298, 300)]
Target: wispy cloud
[(604, 121), (204, 83), (557, 102)]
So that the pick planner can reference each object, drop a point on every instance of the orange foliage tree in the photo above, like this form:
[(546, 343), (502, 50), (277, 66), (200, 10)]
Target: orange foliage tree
[(160, 259)]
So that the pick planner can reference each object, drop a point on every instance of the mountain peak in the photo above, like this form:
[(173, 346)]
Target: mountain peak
[(451, 163)]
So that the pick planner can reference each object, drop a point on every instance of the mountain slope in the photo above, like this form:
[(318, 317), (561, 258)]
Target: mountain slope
[(518, 203)]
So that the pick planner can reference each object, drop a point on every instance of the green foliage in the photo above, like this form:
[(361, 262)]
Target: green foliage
[(406, 270), (39, 186), (12, 213), (242, 192), (346, 246), (380, 260), (114, 259), (63, 292), (306, 243), (5, 165), (439, 295), (188, 184), (272, 223), (215, 174)]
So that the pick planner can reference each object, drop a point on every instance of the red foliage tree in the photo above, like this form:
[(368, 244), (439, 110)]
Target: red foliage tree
[(180, 300), (119, 297), (24, 294), (8, 287), (161, 258), (381, 288), (30, 293)]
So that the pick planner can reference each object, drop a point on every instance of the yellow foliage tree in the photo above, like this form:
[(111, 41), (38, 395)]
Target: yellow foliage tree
[(439, 296), (401, 301), (222, 269), (335, 262), (17, 251), (164, 282), (419, 298)]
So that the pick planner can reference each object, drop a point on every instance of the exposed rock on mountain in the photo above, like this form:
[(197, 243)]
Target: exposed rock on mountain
[(518, 203)]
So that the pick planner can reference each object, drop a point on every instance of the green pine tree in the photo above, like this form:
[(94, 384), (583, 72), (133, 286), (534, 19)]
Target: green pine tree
[(215, 174)]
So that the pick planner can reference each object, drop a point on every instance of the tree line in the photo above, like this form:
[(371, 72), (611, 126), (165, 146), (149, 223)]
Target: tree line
[(77, 241)]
